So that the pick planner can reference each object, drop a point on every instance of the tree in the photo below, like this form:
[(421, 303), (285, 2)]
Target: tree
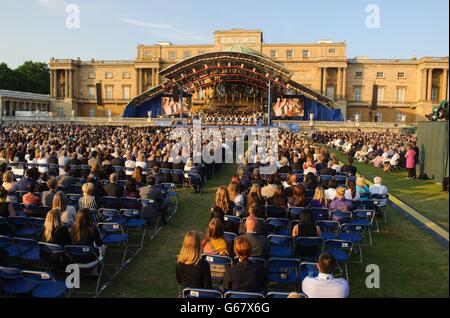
[(32, 77)]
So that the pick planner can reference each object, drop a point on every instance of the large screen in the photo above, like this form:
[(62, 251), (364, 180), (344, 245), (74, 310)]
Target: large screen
[(289, 106), (172, 108)]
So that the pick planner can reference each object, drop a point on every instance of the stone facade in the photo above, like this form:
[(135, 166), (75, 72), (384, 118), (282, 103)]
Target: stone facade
[(407, 89)]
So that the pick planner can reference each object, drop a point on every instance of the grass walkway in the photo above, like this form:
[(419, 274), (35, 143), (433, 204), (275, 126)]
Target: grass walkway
[(425, 196), (412, 263)]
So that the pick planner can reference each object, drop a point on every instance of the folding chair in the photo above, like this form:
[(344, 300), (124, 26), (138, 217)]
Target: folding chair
[(53, 256), (130, 203), (280, 246), (235, 294), (341, 250), (320, 214), (218, 266), (307, 269), (329, 229), (151, 214), (166, 174), (201, 293), (295, 212), (355, 234), (178, 177), (341, 216), (24, 227), (73, 199), (112, 216), (134, 221), (46, 286), (275, 212), (111, 203), (341, 180), (283, 271), (13, 282), (230, 237), (195, 182), (86, 259), (113, 235), (325, 178), (232, 223), (7, 245), (277, 226), (366, 218), (380, 201), (29, 249), (308, 248), (5, 227)]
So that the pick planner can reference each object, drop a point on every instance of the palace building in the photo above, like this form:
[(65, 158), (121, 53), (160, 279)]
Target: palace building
[(384, 90)]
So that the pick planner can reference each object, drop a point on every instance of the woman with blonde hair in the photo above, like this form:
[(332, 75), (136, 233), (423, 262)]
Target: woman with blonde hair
[(223, 201), (214, 242), (256, 188), (319, 200), (361, 185), (54, 230), (8, 180), (87, 201), (68, 212), (191, 270)]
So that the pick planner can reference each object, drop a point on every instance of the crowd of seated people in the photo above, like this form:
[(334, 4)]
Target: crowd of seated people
[(318, 181), (230, 118), (386, 150), (68, 175)]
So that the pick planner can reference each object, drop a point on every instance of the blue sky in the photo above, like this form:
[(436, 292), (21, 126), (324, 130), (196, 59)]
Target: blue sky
[(35, 29)]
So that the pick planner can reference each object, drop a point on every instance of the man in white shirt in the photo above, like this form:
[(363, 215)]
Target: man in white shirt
[(325, 285), (379, 188)]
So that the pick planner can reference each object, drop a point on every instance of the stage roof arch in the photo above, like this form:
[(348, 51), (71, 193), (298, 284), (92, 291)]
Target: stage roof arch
[(236, 64)]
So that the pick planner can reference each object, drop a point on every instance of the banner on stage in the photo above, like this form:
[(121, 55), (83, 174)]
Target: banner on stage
[(172, 108), (289, 107)]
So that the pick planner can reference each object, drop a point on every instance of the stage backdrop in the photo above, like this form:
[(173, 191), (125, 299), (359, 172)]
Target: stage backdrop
[(306, 107), (432, 140)]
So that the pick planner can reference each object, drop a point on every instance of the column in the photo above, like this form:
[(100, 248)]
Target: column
[(51, 83), (70, 84), (423, 89), (430, 83), (138, 81), (157, 76), (339, 84), (66, 83), (153, 78), (445, 85), (324, 83), (55, 83), (344, 83), (320, 79)]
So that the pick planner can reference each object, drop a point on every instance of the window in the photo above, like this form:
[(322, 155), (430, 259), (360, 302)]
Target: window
[(399, 117), (380, 74), (378, 117), (331, 51), (109, 92), (109, 75), (126, 92), (401, 75), (91, 75), (380, 94), (357, 117), (91, 92), (400, 94), (358, 94), (330, 92), (126, 75), (306, 54), (273, 54), (148, 53), (359, 74), (172, 55), (434, 94), (290, 54), (187, 54)]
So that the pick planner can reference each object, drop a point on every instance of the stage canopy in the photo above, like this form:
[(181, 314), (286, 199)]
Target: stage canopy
[(237, 65)]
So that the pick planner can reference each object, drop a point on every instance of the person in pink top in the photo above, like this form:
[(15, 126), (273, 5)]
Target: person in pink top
[(410, 162)]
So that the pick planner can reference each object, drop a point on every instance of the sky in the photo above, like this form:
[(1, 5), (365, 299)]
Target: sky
[(110, 30)]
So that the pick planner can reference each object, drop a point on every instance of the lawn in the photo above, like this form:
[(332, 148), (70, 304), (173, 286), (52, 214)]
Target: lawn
[(425, 196), (412, 264)]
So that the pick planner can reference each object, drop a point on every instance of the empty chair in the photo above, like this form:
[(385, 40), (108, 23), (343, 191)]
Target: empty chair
[(329, 229), (278, 226), (341, 250), (130, 203), (45, 285), (275, 212), (218, 265), (111, 203), (294, 212), (13, 282), (308, 248), (320, 214), (112, 216), (280, 246), (355, 234), (283, 271)]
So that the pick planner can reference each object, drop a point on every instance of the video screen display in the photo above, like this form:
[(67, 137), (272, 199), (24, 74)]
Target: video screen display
[(289, 107), (172, 108)]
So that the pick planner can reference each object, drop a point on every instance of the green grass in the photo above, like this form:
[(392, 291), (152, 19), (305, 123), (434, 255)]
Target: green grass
[(423, 195), (411, 262)]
